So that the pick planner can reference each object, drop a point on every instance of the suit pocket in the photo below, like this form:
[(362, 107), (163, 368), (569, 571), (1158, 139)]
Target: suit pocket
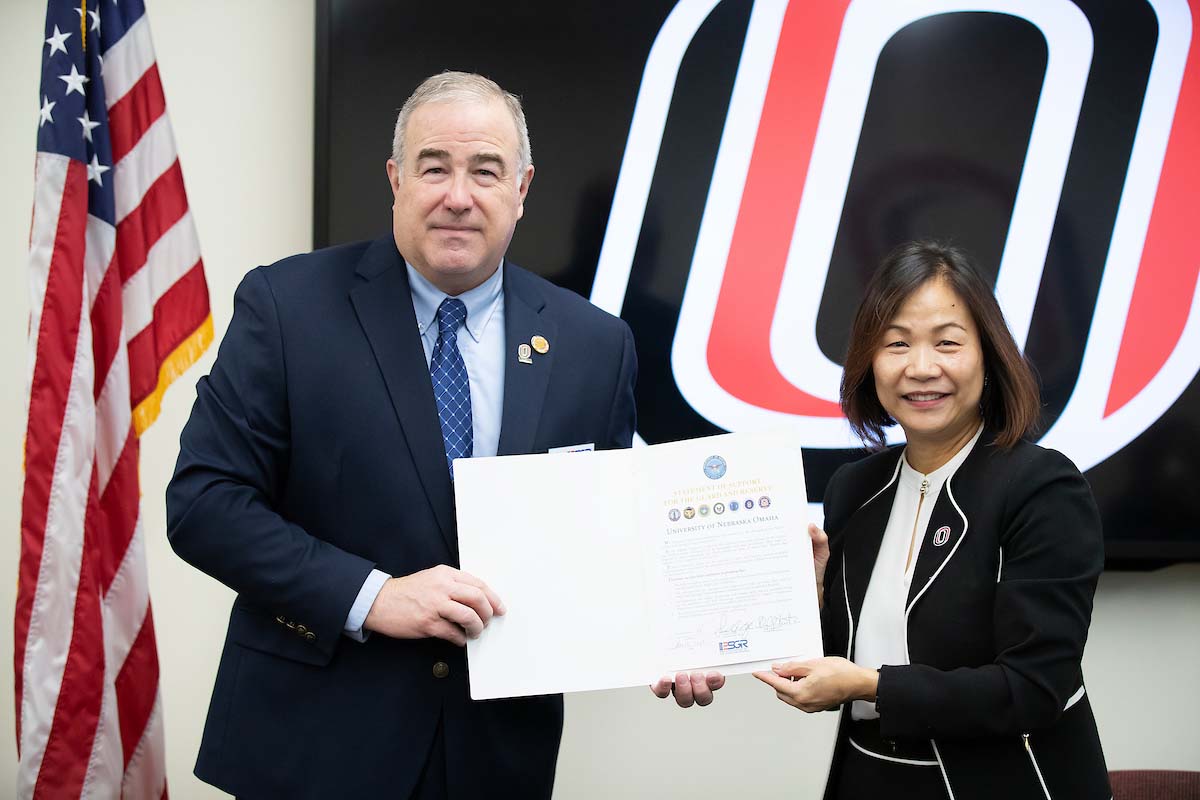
[(994, 766), (259, 630)]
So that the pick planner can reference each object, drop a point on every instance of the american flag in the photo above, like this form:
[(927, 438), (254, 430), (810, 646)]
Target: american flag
[(119, 308)]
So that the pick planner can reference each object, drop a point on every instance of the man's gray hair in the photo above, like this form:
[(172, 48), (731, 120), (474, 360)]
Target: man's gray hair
[(462, 86)]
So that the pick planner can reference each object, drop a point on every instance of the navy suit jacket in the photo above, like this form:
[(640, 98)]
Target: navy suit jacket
[(313, 454)]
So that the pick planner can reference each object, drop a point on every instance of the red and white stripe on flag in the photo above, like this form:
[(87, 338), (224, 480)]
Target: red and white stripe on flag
[(119, 309)]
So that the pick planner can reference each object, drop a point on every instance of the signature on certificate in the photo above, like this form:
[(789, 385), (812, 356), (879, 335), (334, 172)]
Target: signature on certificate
[(729, 624), (689, 640)]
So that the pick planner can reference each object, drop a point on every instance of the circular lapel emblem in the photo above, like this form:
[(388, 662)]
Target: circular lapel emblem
[(941, 536)]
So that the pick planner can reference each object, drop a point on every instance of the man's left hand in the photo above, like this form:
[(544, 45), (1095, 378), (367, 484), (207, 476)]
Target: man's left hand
[(690, 689)]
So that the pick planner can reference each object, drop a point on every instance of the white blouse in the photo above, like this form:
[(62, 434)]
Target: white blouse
[(881, 637)]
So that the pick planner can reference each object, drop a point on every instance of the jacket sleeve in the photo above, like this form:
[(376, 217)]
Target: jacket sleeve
[(223, 501), (1052, 554), (623, 420)]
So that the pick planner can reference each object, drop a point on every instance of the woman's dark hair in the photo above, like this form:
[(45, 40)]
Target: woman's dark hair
[(1011, 401)]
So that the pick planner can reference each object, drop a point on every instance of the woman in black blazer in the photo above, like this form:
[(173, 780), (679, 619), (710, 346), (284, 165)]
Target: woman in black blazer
[(958, 572)]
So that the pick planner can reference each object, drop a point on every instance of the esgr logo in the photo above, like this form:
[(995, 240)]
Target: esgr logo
[(747, 351), (733, 644)]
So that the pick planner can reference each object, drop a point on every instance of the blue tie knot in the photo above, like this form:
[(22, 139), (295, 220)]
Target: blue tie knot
[(450, 314)]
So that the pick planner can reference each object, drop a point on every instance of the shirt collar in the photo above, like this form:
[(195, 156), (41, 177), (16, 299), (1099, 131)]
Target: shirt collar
[(481, 302), (945, 470)]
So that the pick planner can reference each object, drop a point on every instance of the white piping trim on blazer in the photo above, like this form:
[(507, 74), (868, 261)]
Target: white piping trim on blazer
[(933, 577), (849, 616), (895, 473), (942, 766), (912, 762), (1075, 698), (1000, 569), (1036, 768)]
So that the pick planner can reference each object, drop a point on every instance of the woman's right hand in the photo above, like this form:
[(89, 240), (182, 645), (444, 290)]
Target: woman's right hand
[(820, 546)]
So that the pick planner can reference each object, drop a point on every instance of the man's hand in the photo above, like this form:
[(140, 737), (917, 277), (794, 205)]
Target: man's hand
[(820, 683), (441, 602), (695, 688)]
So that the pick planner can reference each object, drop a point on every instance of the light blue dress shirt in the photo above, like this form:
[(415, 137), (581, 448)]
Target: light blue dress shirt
[(483, 354)]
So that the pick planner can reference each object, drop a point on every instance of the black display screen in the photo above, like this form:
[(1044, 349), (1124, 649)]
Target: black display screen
[(727, 175)]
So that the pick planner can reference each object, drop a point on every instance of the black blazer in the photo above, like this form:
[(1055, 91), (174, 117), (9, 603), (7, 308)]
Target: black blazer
[(997, 619), (313, 454)]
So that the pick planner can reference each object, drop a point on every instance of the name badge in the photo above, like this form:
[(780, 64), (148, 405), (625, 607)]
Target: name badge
[(574, 448)]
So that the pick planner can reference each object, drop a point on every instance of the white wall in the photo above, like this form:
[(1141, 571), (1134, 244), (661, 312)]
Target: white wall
[(238, 77), (239, 82)]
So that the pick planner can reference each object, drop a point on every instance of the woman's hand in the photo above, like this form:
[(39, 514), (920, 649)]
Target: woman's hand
[(820, 546), (695, 688), (821, 683)]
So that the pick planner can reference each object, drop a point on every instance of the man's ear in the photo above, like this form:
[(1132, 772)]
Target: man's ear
[(523, 189), (393, 173)]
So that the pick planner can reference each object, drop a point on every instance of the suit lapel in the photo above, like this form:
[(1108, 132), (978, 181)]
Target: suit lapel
[(863, 535), (524, 384), (946, 529), (383, 304), (948, 526)]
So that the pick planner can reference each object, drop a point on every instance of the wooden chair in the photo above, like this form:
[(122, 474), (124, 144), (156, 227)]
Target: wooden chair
[(1155, 784)]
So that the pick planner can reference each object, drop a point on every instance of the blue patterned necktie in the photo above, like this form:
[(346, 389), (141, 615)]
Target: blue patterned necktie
[(451, 389)]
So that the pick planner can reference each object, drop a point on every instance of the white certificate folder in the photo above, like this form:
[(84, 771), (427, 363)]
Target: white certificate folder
[(622, 566)]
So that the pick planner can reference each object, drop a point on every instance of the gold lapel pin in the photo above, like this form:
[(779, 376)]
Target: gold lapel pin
[(524, 354), (540, 344)]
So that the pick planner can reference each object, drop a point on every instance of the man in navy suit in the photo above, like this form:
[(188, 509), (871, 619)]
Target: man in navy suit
[(315, 475)]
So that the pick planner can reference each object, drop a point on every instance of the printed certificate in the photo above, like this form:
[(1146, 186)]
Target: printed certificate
[(619, 567)]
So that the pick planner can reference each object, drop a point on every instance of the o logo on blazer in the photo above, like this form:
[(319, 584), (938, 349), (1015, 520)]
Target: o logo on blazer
[(941, 536), (746, 354)]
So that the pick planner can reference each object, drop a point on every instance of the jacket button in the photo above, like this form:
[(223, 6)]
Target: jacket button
[(441, 669), (310, 636), (300, 629)]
